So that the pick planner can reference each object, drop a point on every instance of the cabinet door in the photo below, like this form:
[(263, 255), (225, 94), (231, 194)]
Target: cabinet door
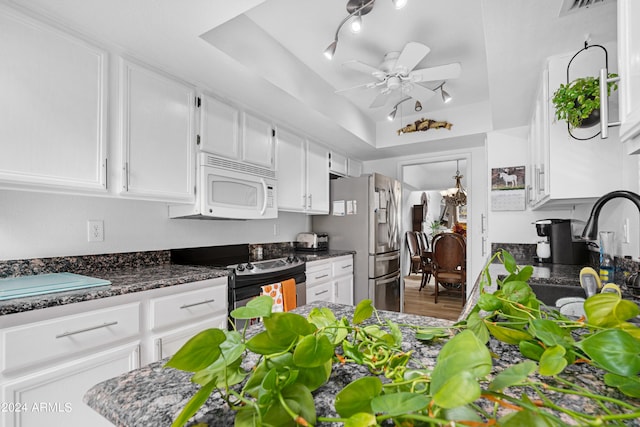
[(291, 151), (337, 163), (321, 292), (53, 397), (629, 51), (219, 128), (344, 290), (257, 141), (53, 107), (317, 179), (158, 131), (166, 345)]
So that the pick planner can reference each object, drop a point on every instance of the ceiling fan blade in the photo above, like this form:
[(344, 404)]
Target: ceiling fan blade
[(410, 56), (369, 85), (365, 68), (381, 99), (419, 92), (442, 72)]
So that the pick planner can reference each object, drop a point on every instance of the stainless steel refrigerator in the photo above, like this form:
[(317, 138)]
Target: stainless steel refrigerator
[(365, 217)]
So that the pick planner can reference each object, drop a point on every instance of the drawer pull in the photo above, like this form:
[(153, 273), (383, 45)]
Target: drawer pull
[(346, 266), (320, 277), (197, 303), (322, 292), (92, 328)]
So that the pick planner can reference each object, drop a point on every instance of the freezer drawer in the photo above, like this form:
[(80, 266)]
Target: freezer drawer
[(386, 292), (384, 264)]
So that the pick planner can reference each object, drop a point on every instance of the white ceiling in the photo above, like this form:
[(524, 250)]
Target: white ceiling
[(266, 56)]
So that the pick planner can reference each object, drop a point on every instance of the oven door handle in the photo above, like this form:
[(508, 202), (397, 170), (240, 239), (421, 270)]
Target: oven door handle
[(264, 196)]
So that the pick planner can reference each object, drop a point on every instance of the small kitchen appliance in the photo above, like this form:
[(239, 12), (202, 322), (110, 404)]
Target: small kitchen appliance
[(310, 241), (564, 247)]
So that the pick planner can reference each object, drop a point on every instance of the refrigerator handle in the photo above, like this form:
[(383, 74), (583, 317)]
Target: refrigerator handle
[(392, 279), (388, 257)]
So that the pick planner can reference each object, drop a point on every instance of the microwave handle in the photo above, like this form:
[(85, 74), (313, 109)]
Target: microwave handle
[(264, 204)]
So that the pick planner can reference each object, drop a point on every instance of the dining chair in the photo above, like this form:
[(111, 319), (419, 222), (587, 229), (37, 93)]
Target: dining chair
[(414, 252), (449, 263), (425, 255)]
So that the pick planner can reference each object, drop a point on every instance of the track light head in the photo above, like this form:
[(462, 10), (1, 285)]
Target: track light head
[(418, 106), (399, 4), (356, 23), (445, 95), (331, 49), (392, 114)]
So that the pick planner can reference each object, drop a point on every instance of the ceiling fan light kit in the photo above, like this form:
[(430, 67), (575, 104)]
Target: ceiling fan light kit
[(356, 9)]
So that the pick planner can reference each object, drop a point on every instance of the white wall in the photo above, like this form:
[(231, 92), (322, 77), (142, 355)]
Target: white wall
[(34, 225)]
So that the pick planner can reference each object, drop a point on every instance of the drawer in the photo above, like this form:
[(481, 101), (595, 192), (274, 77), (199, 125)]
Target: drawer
[(342, 266), (322, 292), (318, 275), (62, 337), (186, 307)]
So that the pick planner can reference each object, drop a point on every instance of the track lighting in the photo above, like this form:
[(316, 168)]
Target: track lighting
[(445, 95), (418, 106), (392, 114), (357, 9)]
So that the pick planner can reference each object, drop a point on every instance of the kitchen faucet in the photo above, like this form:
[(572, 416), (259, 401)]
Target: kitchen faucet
[(590, 231)]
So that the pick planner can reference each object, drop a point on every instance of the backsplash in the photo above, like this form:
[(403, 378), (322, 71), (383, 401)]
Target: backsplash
[(82, 264), (522, 252)]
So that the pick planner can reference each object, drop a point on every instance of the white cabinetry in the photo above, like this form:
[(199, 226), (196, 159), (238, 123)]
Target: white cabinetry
[(354, 167), (337, 163), (330, 280), (303, 174), (257, 141), (51, 357), (219, 128), (629, 71), (53, 107), (567, 171), (158, 159)]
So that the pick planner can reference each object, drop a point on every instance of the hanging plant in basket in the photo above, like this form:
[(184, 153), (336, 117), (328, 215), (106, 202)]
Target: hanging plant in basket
[(578, 102)]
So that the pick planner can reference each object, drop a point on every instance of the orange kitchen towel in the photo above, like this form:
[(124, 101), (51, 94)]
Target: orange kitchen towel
[(275, 292), (289, 294)]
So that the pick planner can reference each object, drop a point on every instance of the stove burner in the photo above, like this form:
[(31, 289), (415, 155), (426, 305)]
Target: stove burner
[(267, 266)]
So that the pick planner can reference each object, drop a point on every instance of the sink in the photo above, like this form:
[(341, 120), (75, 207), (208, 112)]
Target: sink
[(40, 284), (549, 293)]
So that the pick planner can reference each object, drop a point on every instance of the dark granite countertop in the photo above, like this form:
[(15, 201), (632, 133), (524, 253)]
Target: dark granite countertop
[(123, 281), (310, 256), (154, 395)]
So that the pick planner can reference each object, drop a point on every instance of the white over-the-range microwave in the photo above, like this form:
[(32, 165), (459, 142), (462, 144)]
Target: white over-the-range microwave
[(228, 189)]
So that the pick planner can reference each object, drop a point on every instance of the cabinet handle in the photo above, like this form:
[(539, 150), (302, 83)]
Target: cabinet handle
[(320, 277), (604, 103), (207, 301), (310, 201), (304, 201), (322, 292), (159, 347), (482, 223), (346, 266), (79, 331), (126, 176)]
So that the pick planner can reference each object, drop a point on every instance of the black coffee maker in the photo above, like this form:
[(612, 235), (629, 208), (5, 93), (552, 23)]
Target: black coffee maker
[(565, 248)]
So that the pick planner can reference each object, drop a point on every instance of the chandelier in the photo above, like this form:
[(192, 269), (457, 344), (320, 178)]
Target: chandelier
[(456, 196)]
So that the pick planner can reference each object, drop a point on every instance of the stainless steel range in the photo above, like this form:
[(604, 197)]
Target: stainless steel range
[(246, 277)]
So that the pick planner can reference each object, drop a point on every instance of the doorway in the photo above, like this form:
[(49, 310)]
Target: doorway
[(424, 183)]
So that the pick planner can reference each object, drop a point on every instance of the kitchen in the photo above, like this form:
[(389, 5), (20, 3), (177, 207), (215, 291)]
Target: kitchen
[(139, 222)]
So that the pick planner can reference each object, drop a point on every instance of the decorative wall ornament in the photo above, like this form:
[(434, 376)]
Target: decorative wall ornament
[(425, 125)]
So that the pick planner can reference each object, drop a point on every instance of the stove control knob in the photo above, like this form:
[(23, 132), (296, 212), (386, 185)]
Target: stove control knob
[(289, 259), (249, 266), (240, 267)]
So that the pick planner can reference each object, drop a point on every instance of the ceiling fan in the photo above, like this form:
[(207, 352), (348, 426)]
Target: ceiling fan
[(396, 74)]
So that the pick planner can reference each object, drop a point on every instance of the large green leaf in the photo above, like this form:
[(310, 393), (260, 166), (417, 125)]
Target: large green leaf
[(285, 328), (553, 361), (527, 418), (313, 351), (257, 307), (461, 360), (509, 262), (199, 352), (628, 385), (361, 420), (363, 311), (321, 317), (225, 374), (395, 404), (507, 334), (550, 333), (517, 291), (609, 310), (513, 375), (476, 325), (614, 350), (489, 302), (356, 397), (531, 349), (262, 343), (246, 417), (315, 377)]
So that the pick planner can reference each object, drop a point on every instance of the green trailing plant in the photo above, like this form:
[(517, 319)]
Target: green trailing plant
[(575, 101), (296, 356)]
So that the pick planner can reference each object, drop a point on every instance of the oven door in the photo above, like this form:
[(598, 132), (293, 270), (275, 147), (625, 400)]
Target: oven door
[(230, 194)]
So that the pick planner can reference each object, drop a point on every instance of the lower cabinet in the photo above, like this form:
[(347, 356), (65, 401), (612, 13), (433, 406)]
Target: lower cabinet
[(49, 358), (330, 280)]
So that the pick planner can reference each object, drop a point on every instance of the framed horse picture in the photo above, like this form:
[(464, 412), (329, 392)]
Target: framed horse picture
[(508, 188)]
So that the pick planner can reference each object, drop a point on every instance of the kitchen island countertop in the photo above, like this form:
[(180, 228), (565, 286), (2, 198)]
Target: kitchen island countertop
[(154, 395)]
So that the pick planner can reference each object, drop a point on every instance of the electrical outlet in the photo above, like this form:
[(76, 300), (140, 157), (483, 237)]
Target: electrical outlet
[(95, 229)]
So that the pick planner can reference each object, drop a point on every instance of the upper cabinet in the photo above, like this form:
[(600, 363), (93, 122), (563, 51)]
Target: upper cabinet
[(157, 114), (566, 170), (629, 70), (337, 163), (234, 134), (53, 107), (303, 174)]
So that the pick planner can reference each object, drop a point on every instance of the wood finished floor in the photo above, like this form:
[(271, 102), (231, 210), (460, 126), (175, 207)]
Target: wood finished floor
[(421, 302)]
